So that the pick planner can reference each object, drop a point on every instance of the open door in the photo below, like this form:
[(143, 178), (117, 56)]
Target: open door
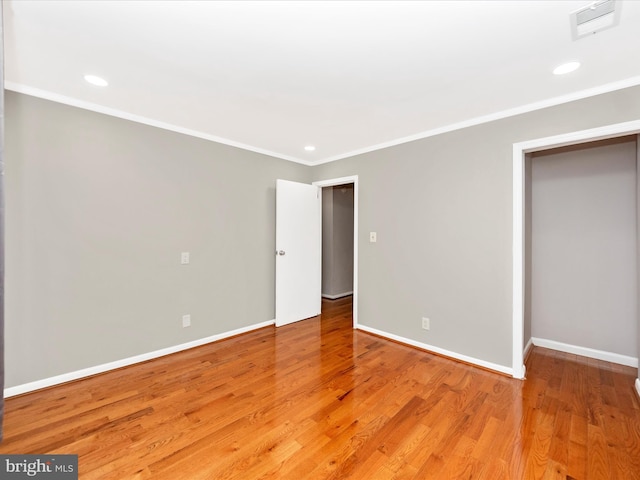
[(298, 252)]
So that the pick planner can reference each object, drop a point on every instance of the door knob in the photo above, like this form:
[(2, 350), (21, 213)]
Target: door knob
[(280, 252)]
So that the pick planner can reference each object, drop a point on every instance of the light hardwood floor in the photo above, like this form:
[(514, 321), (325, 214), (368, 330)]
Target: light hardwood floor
[(318, 400)]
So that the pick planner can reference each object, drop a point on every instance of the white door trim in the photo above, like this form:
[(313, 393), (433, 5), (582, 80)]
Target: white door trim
[(341, 181), (519, 151)]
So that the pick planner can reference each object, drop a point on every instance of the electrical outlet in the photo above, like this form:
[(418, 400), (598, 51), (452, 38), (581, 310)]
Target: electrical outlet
[(426, 323), (373, 237), (186, 321), (184, 258)]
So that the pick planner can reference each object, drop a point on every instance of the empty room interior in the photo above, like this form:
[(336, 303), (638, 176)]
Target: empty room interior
[(321, 240)]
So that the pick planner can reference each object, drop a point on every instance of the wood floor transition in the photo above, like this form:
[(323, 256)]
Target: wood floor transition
[(318, 400)]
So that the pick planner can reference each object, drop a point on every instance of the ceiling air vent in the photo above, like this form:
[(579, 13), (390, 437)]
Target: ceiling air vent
[(594, 17)]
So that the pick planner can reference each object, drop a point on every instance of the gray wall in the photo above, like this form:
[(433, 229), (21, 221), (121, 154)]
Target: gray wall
[(527, 251), (327, 238), (98, 211), (337, 240), (442, 210), (583, 279)]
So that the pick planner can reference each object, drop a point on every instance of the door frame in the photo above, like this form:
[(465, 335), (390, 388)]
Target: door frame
[(353, 179), (520, 149)]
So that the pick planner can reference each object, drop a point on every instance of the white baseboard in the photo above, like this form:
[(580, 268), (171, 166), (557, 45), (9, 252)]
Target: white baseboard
[(638, 387), (438, 350), (527, 348), (87, 372), (586, 352), (339, 295)]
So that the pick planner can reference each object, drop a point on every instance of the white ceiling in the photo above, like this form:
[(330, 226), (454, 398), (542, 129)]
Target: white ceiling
[(347, 77)]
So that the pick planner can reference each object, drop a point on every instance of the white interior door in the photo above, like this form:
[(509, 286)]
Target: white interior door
[(298, 252)]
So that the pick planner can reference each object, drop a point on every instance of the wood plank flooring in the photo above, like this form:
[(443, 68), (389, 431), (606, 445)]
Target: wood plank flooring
[(318, 400)]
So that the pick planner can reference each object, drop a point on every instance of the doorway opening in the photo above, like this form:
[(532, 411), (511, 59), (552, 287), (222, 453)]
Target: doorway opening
[(337, 241), (520, 152), (340, 241), (581, 239)]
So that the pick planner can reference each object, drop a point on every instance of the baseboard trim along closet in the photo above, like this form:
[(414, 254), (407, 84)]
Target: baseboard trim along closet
[(440, 351), (586, 352), (336, 296), (125, 362), (527, 350)]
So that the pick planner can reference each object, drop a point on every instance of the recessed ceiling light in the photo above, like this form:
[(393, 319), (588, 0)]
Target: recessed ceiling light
[(97, 81), (566, 68), (309, 148)]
